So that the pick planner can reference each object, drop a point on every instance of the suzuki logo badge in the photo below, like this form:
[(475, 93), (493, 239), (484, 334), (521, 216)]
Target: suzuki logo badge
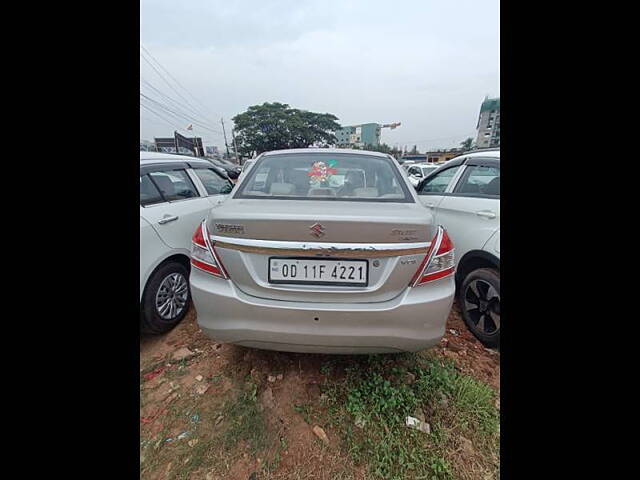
[(317, 230)]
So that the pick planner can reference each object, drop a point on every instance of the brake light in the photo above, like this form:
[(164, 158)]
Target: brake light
[(203, 253), (439, 261)]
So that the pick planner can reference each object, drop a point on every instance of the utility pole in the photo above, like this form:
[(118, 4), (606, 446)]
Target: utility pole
[(235, 146), (225, 137)]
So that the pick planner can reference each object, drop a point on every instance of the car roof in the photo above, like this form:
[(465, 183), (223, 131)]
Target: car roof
[(483, 153), (326, 150), (149, 158), (156, 158)]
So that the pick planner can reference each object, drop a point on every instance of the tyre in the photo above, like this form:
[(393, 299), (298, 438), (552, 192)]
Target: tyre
[(479, 300), (166, 298)]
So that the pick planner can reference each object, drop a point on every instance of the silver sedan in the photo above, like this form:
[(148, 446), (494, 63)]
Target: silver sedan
[(323, 250)]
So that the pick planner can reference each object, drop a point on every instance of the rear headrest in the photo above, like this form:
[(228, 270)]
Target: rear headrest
[(493, 187), (365, 192), (355, 179), (321, 192), (470, 188), (165, 185), (282, 188)]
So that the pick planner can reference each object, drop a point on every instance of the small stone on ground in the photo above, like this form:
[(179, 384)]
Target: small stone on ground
[(182, 354), (321, 434)]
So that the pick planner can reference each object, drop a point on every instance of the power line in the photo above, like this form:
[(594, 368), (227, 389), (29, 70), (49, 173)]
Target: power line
[(172, 77), (169, 110), (162, 117), (174, 118), (171, 124), (149, 120), (166, 81), (179, 106)]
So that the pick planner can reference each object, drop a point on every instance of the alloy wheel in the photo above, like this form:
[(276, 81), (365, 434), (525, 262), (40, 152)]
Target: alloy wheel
[(172, 296), (482, 303)]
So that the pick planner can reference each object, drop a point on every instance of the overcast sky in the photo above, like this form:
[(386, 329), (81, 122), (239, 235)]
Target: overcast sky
[(425, 63)]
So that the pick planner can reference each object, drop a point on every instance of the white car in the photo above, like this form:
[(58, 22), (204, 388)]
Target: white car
[(176, 194), (464, 197), (245, 169), (418, 171)]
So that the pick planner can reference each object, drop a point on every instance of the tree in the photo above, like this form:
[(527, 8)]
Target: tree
[(277, 126), (384, 148), (467, 144)]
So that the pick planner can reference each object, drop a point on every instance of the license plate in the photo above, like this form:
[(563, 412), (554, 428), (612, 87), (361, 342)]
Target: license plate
[(318, 272)]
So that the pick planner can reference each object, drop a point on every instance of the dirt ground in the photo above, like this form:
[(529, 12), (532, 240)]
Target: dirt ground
[(184, 371)]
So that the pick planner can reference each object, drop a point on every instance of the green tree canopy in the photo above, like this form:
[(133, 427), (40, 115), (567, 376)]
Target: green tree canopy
[(277, 126), (467, 144), (384, 148)]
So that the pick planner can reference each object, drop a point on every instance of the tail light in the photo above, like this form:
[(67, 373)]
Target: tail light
[(439, 261), (203, 253)]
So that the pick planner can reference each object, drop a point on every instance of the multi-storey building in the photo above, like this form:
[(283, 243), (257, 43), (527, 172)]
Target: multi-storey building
[(489, 124), (359, 135)]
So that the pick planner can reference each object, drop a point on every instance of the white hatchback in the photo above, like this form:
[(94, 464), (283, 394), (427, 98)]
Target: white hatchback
[(176, 194), (464, 197), (419, 171)]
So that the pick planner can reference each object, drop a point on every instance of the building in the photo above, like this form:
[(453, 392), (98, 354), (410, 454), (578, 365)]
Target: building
[(439, 157), (359, 135), (489, 124)]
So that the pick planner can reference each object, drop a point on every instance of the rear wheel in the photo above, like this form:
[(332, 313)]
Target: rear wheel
[(479, 300), (166, 298)]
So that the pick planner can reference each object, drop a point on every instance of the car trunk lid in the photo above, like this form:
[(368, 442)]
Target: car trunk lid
[(391, 238)]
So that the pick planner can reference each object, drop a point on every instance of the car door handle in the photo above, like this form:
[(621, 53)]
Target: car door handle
[(486, 214), (167, 219), (430, 205)]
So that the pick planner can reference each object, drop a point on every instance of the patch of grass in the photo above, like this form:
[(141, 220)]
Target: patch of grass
[(176, 371), (272, 465), (326, 368), (245, 421), (306, 411), (370, 405)]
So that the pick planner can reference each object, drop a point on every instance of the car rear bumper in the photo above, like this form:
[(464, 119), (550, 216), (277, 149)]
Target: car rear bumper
[(412, 321)]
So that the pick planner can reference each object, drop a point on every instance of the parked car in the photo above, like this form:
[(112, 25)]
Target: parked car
[(176, 194), (298, 260), (232, 170), (406, 164), (464, 197), (412, 158), (419, 171)]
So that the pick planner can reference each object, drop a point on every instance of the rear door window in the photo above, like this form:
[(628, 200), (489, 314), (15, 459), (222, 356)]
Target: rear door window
[(479, 180), (427, 170), (438, 183), (213, 183), (149, 193), (174, 184)]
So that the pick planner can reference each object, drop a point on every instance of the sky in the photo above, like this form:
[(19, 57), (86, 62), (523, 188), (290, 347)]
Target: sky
[(427, 64)]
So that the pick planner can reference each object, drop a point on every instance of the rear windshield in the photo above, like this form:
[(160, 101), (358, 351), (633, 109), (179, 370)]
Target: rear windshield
[(321, 176)]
